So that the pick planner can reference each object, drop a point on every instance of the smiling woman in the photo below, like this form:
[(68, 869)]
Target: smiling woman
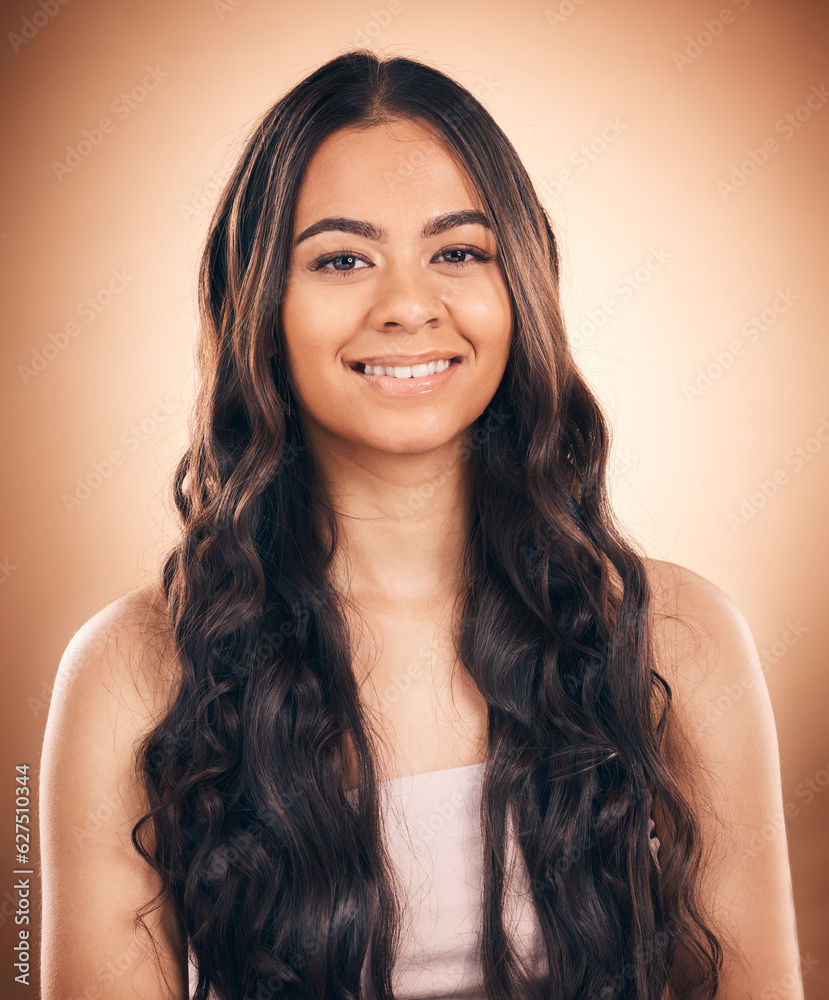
[(412, 288), (407, 715)]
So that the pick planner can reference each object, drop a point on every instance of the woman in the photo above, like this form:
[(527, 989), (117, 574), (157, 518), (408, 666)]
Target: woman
[(398, 568)]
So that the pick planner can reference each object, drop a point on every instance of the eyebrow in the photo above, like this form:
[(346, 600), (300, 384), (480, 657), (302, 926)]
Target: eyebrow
[(359, 227)]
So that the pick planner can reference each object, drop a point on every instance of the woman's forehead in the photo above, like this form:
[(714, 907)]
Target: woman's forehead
[(383, 169)]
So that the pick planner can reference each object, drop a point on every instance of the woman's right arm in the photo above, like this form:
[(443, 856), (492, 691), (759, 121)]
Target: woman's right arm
[(111, 686)]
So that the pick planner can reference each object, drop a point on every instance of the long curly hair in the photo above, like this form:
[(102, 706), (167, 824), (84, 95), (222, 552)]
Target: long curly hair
[(281, 879)]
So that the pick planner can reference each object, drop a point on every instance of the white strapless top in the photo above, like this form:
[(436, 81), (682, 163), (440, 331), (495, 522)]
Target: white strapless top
[(434, 839)]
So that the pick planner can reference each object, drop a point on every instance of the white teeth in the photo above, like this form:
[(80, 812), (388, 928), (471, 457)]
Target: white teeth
[(409, 371)]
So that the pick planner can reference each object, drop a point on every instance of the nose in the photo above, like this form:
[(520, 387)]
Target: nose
[(405, 299)]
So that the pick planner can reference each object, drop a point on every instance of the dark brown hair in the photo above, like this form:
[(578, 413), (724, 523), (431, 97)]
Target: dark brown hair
[(279, 878)]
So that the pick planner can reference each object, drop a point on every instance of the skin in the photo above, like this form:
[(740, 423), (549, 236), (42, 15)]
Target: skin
[(399, 567), (403, 296), (381, 455)]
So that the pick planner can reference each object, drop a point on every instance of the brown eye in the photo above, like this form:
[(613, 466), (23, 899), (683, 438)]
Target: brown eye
[(482, 258), (321, 264)]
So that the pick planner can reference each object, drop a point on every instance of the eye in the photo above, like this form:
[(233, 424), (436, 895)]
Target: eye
[(340, 256), (478, 255), (320, 264)]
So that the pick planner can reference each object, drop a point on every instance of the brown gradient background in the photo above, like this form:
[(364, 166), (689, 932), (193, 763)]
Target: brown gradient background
[(683, 466)]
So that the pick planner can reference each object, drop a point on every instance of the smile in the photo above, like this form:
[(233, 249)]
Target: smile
[(405, 371), (407, 380)]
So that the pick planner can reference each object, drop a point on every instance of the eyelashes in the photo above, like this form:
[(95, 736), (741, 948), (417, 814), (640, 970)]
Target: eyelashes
[(320, 263)]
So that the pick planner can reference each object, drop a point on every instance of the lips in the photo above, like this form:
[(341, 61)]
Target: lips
[(402, 360), (414, 385)]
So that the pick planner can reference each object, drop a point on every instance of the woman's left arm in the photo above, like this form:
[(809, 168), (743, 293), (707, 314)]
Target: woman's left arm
[(722, 708)]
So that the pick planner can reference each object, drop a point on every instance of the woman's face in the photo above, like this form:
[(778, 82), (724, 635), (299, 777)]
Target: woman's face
[(390, 279)]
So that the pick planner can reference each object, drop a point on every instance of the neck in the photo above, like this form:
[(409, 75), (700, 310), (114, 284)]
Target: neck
[(403, 521)]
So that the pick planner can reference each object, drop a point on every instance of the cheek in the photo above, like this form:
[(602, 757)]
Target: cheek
[(487, 320), (313, 331), (305, 321)]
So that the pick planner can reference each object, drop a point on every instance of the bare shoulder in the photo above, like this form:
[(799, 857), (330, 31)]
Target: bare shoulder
[(704, 649), (696, 625), (126, 648), (113, 684), (722, 724)]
